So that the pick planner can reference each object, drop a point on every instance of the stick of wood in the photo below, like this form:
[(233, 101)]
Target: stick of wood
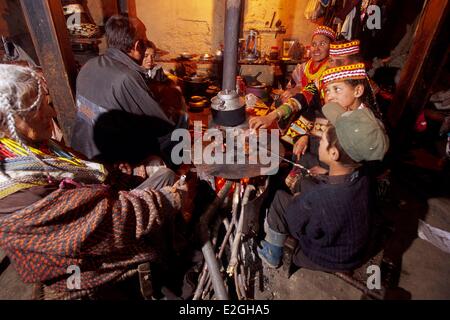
[(234, 214), (236, 284), (228, 236), (237, 239), (242, 286), (207, 289), (201, 282), (207, 248)]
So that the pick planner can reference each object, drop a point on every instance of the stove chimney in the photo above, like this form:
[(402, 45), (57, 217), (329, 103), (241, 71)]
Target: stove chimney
[(227, 107)]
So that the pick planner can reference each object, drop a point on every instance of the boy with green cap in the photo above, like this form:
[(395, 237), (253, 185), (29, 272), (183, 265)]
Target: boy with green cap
[(330, 218)]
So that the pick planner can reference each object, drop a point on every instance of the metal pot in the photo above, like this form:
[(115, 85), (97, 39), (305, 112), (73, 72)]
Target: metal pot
[(206, 57), (252, 80), (195, 86), (261, 91), (228, 109), (197, 104), (187, 55)]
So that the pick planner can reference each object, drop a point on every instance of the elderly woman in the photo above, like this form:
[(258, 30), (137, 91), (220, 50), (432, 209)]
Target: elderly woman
[(58, 211)]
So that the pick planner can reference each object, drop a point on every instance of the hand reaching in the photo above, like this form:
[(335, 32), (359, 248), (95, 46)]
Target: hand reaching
[(289, 93), (264, 122), (301, 146), (186, 188)]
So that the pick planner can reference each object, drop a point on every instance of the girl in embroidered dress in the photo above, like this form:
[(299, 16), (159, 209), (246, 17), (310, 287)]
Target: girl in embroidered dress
[(304, 81)]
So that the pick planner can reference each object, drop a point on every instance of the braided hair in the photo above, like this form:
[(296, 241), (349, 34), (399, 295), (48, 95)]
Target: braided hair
[(21, 92), (368, 97)]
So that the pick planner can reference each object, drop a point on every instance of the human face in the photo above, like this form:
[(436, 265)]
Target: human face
[(37, 126), (343, 93), (320, 46), (149, 59)]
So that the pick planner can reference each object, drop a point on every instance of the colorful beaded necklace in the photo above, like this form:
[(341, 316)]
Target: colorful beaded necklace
[(313, 75)]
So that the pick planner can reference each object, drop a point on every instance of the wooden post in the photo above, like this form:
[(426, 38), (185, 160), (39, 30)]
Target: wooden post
[(128, 7), (425, 59), (47, 26), (110, 8)]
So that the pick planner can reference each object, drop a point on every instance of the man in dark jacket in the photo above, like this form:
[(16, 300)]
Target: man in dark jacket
[(118, 120), (331, 218)]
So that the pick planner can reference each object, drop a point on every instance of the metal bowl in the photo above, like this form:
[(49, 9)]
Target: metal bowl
[(186, 55), (206, 57)]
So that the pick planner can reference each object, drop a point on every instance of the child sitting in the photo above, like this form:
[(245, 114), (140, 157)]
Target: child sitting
[(331, 218), (347, 86)]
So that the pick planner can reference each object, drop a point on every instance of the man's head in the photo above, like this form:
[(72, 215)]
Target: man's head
[(127, 35), (359, 135)]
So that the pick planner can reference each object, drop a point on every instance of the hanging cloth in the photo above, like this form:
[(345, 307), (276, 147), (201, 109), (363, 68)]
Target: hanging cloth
[(347, 7), (329, 13), (313, 10), (346, 30)]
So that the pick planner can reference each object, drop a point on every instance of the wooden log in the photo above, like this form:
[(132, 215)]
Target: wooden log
[(235, 208), (237, 240), (201, 282)]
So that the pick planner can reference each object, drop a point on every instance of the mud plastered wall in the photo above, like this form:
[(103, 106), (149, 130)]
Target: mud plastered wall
[(197, 26)]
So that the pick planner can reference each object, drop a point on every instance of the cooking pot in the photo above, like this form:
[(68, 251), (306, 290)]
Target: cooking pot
[(197, 104), (195, 86), (252, 80), (261, 91), (228, 109)]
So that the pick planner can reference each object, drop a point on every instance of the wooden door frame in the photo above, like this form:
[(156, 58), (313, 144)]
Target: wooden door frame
[(47, 26), (426, 58)]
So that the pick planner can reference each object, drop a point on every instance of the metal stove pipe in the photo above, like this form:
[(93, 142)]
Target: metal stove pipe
[(227, 108), (232, 18)]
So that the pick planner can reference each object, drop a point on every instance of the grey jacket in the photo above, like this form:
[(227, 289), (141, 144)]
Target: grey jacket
[(115, 109)]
